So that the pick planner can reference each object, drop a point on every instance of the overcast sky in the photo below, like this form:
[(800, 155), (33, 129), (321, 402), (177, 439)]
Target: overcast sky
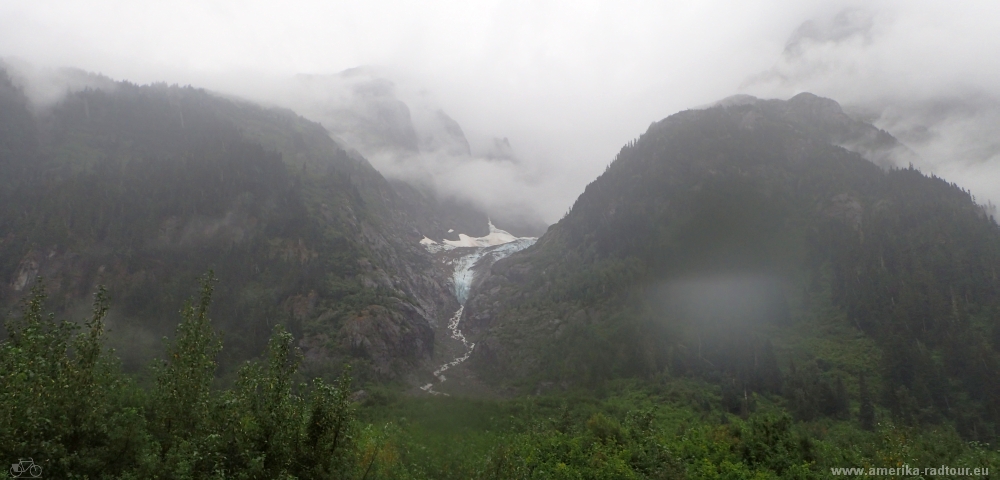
[(568, 82)]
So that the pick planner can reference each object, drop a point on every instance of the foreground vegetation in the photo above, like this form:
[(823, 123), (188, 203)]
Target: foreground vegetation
[(66, 405), (665, 431)]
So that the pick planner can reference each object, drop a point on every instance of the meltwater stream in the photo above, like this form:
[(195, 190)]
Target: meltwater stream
[(462, 277)]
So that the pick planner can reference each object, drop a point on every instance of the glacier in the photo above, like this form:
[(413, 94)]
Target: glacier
[(482, 253)]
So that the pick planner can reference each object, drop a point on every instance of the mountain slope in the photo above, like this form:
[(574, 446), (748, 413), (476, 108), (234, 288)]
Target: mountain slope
[(144, 188), (741, 244)]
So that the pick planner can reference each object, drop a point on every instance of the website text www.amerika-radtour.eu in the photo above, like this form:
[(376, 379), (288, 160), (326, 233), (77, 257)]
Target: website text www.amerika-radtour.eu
[(906, 470)]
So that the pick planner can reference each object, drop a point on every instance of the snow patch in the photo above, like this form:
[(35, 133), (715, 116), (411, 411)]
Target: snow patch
[(495, 237)]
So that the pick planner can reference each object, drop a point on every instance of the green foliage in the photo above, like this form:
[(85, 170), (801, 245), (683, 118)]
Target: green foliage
[(263, 412), (67, 406), (866, 413), (183, 382), (641, 432), (63, 402)]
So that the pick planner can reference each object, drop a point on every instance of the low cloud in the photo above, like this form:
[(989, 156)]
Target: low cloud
[(402, 130), (567, 83), (926, 73), (44, 86)]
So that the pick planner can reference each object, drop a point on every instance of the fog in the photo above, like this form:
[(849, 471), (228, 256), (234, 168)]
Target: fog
[(928, 73), (566, 83), (723, 301)]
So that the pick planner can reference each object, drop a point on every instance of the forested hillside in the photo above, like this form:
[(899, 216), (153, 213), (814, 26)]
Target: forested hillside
[(143, 188), (739, 245)]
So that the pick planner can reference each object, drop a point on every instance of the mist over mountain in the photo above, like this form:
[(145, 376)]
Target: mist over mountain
[(826, 120), (741, 240), (389, 240), (43, 87), (143, 188), (763, 252), (944, 114), (361, 107), (419, 147), (416, 144)]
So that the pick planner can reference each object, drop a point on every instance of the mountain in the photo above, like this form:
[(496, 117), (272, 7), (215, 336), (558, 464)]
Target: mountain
[(361, 107), (739, 295), (144, 188), (746, 244), (412, 141)]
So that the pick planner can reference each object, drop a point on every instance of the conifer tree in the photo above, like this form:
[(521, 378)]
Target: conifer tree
[(866, 415)]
